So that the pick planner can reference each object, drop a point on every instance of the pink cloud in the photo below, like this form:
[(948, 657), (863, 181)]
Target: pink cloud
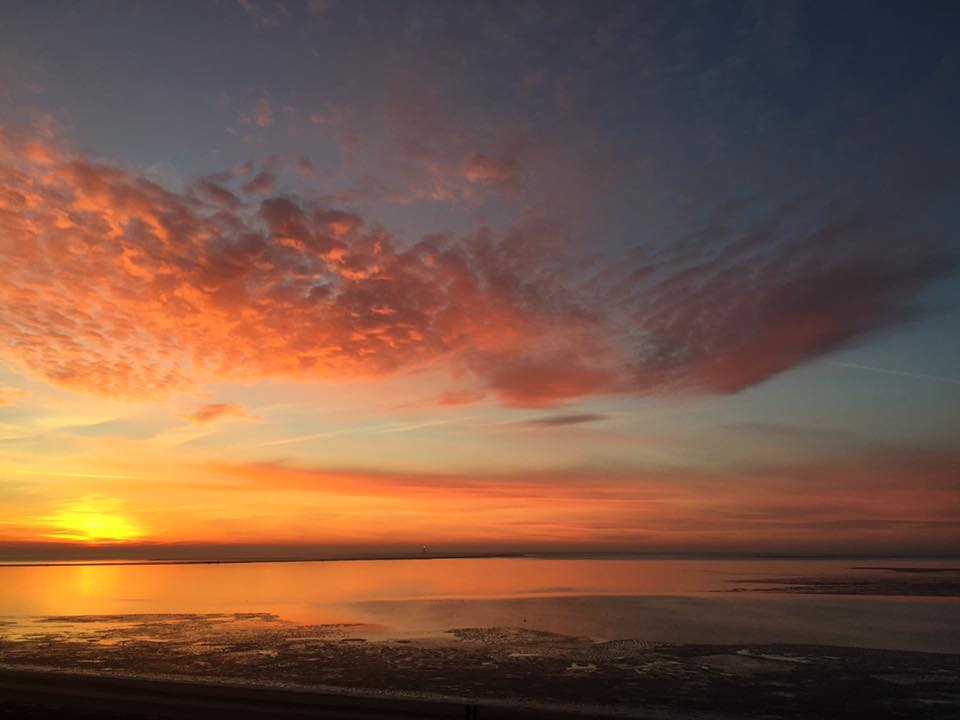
[(460, 397), (261, 184), (524, 380), (765, 304), (265, 18), (121, 287), (208, 412), (483, 169), (260, 115)]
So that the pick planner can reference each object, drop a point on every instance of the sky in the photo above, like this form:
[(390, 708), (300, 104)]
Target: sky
[(328, 276)]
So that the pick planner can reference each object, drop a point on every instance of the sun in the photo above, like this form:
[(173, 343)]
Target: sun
[(93, 519)]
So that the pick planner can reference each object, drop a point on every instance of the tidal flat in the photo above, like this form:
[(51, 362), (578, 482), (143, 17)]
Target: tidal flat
[(496, 666)]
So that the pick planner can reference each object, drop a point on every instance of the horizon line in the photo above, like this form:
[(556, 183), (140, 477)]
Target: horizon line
[(544, 555)]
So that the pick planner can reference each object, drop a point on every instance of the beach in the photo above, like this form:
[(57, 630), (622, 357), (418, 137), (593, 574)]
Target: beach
[(522, 637), (128, 664), (38, 695), (619, 680)]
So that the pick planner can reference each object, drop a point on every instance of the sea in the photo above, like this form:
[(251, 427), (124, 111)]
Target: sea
[(882, 603)]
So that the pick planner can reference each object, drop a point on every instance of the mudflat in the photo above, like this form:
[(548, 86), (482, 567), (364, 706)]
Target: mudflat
[(150, 665), (43, 695)]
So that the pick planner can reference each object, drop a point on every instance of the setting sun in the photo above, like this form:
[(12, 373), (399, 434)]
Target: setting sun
[(93, 519)]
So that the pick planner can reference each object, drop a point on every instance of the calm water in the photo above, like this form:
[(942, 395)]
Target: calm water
[(651, 599)]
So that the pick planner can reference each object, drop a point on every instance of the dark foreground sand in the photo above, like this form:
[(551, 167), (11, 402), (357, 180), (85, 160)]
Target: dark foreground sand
[(31, 694), (257, 666), (42, 695)]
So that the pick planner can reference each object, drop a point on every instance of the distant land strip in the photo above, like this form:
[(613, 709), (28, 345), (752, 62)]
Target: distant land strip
[(250, 561)]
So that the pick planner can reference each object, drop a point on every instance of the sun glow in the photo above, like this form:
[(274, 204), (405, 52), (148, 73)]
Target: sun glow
[(93, 519)]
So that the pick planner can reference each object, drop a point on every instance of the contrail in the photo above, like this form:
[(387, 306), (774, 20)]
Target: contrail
[(407, 427), (303, 438), (887, 371)]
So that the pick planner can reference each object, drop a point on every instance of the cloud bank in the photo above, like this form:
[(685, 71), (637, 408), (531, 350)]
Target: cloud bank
[(118, 286)]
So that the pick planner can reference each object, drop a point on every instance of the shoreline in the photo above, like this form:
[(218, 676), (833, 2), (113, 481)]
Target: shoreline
[(121, 694), (504, 672), (559, 555), (258, 561)]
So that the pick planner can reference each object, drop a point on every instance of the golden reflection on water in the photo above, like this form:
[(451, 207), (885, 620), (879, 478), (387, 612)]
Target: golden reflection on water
[(310, 591), (330, 591), (91, 581)]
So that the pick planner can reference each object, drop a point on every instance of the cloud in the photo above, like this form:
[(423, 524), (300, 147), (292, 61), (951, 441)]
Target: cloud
[(320, 7), (120, 428), (543, 380), (484, 169), (882, 499), (260, 115), (12, 395), (460, 397), (267, 19), (436, 150), (121, 287), (218, 194), (262, 183), (208, 412), (562, 420), (734, 313)]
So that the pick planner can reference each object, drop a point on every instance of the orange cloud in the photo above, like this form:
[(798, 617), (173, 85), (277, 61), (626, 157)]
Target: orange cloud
[(121, 287), (460, 397), (873, 499), (883, 498), (10, 395), (208, 412)]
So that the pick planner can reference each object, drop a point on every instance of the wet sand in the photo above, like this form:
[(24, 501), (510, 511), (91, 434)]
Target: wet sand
[(822, 641), (880, 581), (44, 695), (507, 671)]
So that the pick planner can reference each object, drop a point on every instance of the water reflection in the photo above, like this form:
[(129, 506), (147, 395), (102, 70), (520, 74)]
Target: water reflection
[(658, 599), (310, 586)]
